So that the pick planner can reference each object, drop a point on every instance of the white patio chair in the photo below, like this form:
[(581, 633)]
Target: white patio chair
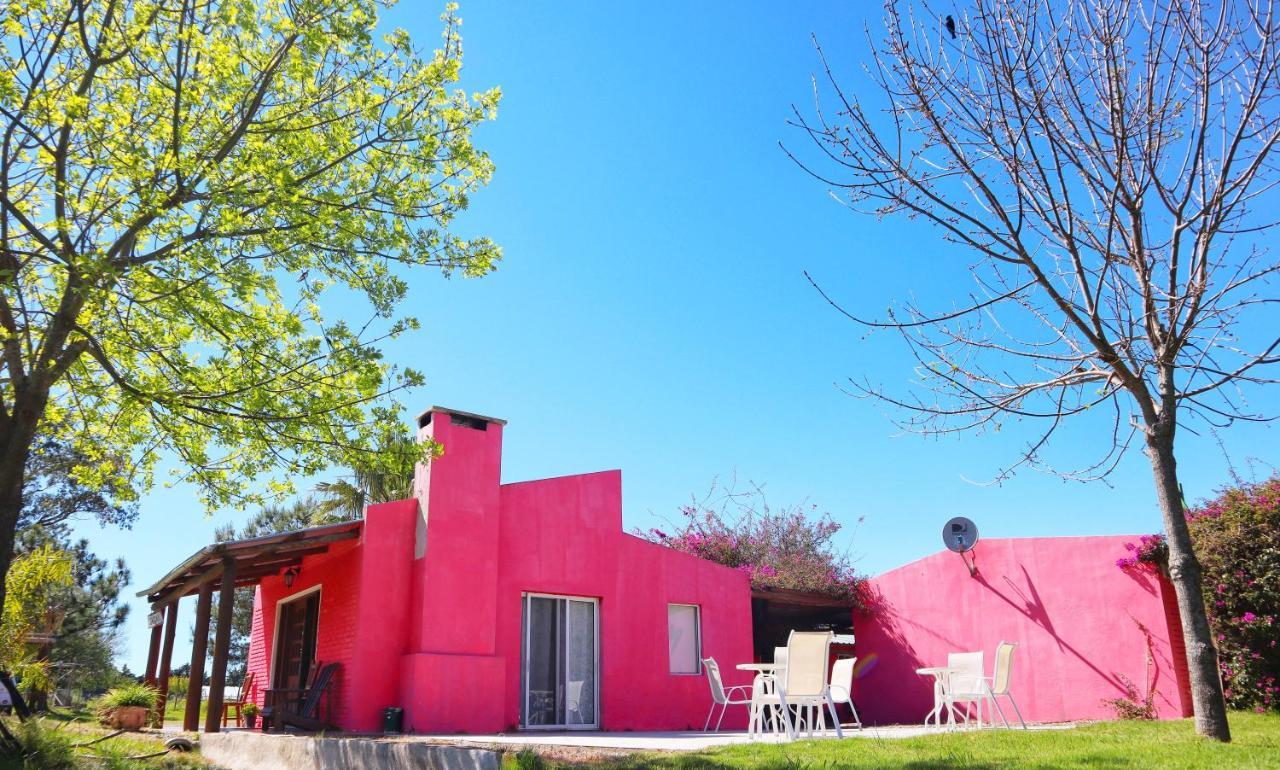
[(841, 687), (803, 685), (573, 703), (964, 684), (720, 695), (997, 684)]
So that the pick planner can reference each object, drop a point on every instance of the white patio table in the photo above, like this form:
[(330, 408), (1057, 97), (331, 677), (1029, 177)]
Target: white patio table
[(763, 670), (939, 674)]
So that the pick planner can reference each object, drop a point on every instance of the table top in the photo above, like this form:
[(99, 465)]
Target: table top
[(759, 666), (934, 670)]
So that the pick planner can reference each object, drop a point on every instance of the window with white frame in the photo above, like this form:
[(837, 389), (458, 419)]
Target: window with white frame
[(684, 638)]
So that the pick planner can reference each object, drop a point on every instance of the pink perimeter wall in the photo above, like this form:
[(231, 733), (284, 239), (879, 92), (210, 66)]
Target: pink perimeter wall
[(1081, 625)]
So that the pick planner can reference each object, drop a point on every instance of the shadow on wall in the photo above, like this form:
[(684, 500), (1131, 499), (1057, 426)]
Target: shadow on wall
[(889, 662), (1030, 605)]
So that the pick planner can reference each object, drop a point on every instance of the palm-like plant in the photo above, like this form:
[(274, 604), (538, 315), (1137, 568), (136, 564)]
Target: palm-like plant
[(385, 475)]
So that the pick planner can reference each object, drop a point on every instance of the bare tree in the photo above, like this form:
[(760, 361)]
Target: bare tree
[(1109, 163)]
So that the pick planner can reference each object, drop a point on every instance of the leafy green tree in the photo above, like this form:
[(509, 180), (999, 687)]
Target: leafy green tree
[(88, 609), (53, 494), (183, 184), (30, 611)]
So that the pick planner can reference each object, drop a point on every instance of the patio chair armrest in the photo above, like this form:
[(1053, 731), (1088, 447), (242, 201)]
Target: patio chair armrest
[(728, 690)]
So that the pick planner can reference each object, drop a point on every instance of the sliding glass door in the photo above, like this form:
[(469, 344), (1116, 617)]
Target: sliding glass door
[(560, 663)]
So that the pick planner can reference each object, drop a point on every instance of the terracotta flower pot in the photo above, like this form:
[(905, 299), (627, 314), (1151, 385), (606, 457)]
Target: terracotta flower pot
[(129, 717)]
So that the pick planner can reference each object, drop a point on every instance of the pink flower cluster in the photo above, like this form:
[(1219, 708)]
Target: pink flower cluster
[(1149, 553)]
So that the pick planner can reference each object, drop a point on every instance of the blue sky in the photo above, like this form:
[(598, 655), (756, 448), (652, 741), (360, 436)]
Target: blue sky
[(651, 313)]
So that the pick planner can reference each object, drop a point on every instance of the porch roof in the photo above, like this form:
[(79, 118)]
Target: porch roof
[(254, 557)]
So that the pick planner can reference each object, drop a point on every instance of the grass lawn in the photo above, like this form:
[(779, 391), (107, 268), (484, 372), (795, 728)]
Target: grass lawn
[(1256, 743), (114, 753)]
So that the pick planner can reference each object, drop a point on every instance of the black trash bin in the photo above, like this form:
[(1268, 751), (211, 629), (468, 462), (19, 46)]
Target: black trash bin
[(392, 720)]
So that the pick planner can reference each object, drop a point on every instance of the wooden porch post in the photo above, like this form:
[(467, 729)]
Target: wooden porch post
[(153, 652), (221, 644), (199, 647), (166, 660)]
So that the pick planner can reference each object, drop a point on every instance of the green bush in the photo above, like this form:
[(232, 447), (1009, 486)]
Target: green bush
[(527, 759), (43, 748), (130, 695), (124, 696)]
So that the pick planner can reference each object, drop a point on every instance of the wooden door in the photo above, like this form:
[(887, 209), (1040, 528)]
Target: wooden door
[(296, 642)]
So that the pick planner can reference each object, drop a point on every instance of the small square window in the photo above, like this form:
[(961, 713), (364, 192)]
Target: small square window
[(684, 638)]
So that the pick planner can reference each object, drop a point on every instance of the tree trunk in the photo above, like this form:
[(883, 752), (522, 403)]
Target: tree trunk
[(19, 434), (1184, 572), (12, 467)]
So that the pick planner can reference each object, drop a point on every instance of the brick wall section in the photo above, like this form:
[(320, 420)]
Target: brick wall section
[(338, 575), (257, 663)]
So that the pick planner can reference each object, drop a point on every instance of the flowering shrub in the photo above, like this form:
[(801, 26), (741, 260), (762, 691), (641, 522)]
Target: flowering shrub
[(1150, 553), (1237, 540), (788, 548)]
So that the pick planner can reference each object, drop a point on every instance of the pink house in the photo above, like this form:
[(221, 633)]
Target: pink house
[(484, 607)]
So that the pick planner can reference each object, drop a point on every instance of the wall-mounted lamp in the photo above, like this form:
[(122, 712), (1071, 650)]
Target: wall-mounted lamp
[(289, 575)]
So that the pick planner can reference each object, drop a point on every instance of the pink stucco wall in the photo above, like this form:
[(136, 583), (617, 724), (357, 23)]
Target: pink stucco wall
[(440, 634), (1081, 625), (487, 544)]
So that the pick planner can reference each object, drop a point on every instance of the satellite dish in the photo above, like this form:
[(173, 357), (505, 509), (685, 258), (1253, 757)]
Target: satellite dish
[(959, 534)]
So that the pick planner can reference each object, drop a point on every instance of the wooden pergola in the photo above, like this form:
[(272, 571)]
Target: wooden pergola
[(222, 567)]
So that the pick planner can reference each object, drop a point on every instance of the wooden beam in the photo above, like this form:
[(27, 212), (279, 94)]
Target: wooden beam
[(166, 661), (191, 584), (221, 645), (153, 656), (199, 646)]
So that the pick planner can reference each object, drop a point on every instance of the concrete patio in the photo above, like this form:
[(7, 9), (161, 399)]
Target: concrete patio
[(238, 749), (678, 741)]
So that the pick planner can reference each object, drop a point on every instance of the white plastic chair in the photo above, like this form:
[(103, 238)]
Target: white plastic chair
[(841, 687), (720, 695), (965, 684), (573, 703), (803, 685), (997, 685)]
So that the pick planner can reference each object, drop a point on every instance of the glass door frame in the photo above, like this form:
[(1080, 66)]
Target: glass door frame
[(525, 604)]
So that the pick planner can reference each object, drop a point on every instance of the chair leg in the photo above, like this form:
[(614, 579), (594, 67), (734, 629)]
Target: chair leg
[(835, 718), (995, 708), (707, 726), (1016, 710), (786, 716), (721, 719)]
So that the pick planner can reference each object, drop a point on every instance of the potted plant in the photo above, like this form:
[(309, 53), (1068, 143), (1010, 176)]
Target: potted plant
[(126, 707), (250, 712)]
